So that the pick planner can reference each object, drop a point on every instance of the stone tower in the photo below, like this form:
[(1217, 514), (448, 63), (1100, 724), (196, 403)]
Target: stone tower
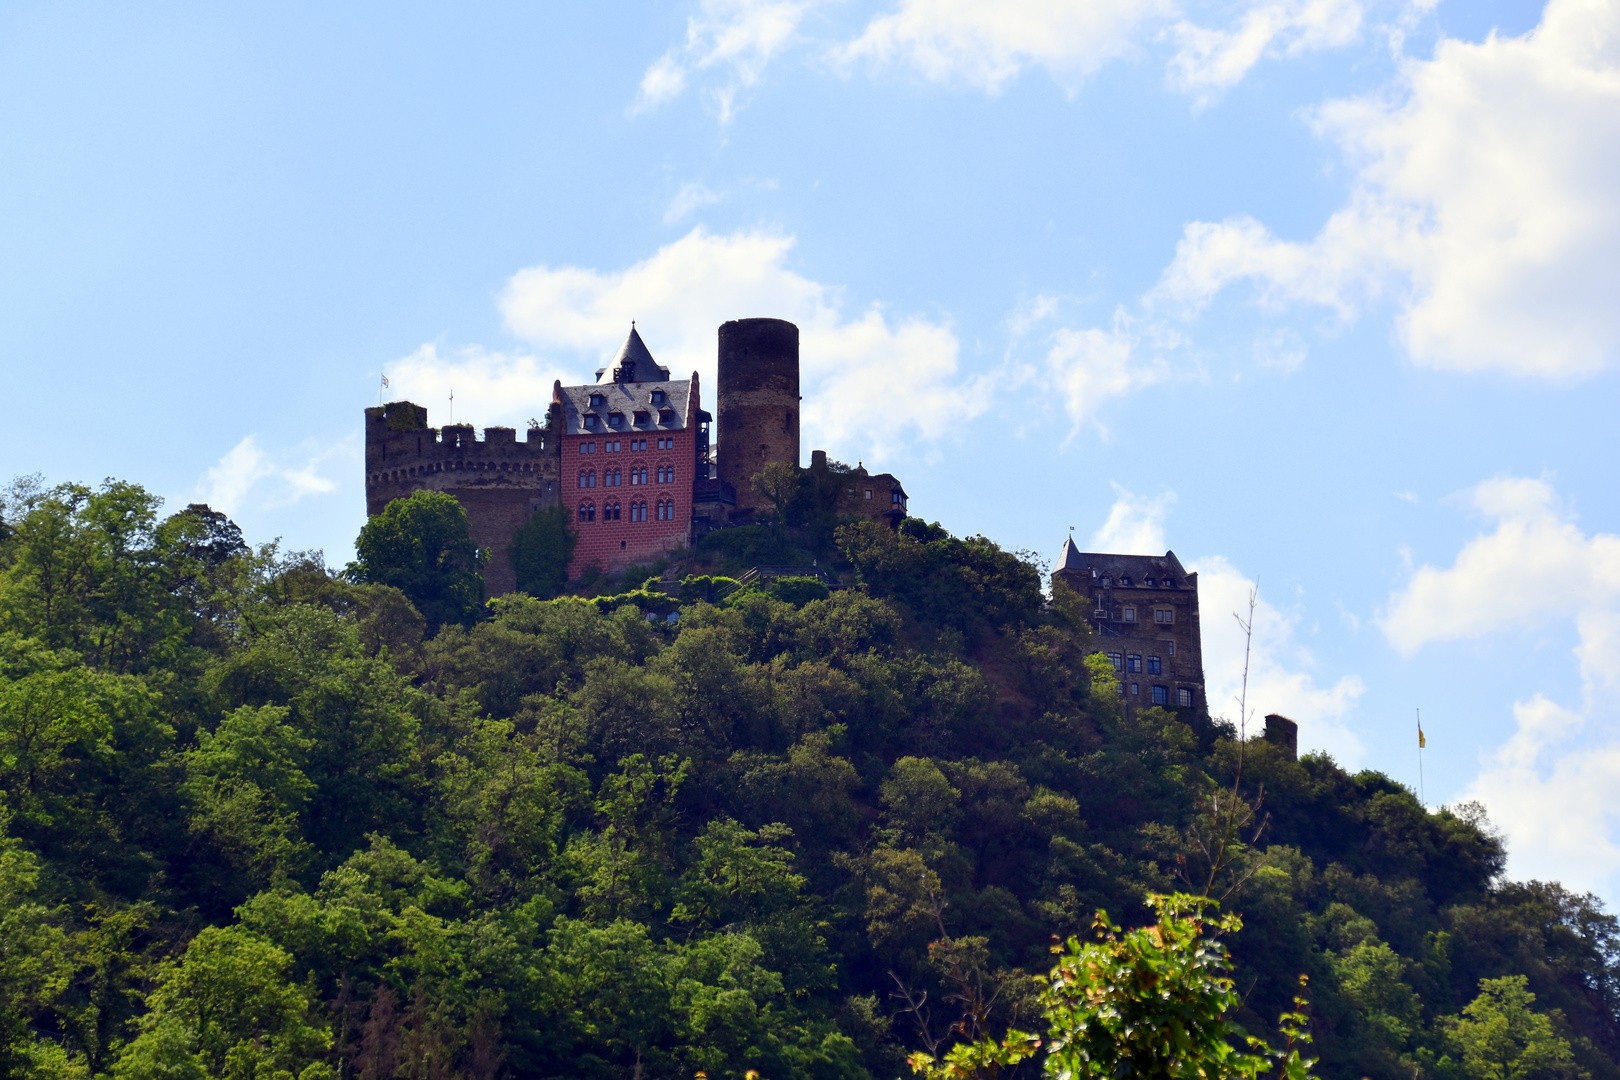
[(757, 403)]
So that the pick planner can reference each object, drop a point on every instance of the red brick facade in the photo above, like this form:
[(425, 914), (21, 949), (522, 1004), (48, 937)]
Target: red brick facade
[(627, 457), (600, 472)]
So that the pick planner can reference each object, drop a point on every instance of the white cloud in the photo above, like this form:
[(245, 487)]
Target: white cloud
[(1554, 786), (1135, 523), (491, 388), (1084, 368), (738, 38), (692, 196), (1555, 792), (867, 379), (1211, 60), (987, 43), (1281, 678), (1484, 200), (1536, 564), (247, 478), (1088, 367)]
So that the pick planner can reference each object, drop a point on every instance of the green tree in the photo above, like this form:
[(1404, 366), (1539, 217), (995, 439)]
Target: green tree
[(1156, 1003), (540, 552), (421, 546), (1501, 1037), (249, 791), (779, 481), (33, 960), (227, 1009)]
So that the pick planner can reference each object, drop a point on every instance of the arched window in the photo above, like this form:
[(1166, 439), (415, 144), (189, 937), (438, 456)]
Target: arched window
[(610, 512), (587, 511)]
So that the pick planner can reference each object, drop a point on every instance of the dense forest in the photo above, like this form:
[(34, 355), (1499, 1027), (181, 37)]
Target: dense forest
[(261, 817)]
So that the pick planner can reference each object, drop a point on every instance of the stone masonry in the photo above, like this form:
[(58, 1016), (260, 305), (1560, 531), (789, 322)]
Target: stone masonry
[(1145, 611)]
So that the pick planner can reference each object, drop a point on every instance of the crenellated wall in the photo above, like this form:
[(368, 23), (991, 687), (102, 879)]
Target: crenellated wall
[(500, 480)]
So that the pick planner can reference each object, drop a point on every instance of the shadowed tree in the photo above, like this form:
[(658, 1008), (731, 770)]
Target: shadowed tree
[(421, 546)]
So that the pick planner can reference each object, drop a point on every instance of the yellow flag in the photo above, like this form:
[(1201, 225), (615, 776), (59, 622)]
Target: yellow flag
[(1422, 742)]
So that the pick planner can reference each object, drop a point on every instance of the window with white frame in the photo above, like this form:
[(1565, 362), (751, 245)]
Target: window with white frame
[(1183, 697)]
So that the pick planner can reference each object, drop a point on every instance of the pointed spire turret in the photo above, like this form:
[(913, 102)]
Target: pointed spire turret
[(634, 362), (1070, 559)]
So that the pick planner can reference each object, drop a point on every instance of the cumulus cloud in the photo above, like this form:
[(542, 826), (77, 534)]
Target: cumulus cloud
[(1281, 668), (1535, 564), (1554, 786), (1211, 60), (1484, 202), (1135, 523), (1555, 791), (249, 478), (1082, 368), (734, 38), (867, 378), (490, 388), (986, 44)]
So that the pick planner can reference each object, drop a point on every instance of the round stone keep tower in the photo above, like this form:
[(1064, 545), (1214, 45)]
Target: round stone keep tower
[(757, 403)]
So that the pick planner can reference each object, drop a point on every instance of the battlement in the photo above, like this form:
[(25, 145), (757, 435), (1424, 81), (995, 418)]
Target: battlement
[(398, 440), (499, 479)]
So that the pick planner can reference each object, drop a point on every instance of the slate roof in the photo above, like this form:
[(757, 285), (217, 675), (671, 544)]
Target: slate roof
[(641, 365), (1136, 567), (624, 399)]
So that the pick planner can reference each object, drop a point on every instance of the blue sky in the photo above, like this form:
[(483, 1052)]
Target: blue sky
[(1322, 294)]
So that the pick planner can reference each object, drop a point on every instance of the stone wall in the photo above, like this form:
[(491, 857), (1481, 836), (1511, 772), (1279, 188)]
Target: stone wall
[(756, 402), (499, 480)]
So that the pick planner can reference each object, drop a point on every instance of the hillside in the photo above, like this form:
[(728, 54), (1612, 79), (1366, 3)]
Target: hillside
[(258, 822)]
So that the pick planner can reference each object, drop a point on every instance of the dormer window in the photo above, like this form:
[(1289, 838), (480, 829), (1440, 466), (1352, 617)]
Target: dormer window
[(597, 401), (1148, 583), (666, 416), (590, 420), (658, 397), (641, 416), (1106, 581), (1124, 580), (615, 419)]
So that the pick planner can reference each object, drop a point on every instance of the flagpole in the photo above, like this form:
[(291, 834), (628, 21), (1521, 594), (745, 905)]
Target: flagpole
[(1421, 742)]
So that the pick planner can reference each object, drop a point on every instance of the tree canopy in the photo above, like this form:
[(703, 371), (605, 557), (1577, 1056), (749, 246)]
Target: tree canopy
[(258, 819), (421, 546)]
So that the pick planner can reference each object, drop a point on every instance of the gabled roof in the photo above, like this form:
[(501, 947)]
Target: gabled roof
[(633, 363)]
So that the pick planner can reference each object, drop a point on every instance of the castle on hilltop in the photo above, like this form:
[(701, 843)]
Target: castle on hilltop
[(1144, 609), (630, 457)]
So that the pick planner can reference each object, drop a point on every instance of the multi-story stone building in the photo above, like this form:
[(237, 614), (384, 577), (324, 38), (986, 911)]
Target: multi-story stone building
[(628, 457), (1145, 611)]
